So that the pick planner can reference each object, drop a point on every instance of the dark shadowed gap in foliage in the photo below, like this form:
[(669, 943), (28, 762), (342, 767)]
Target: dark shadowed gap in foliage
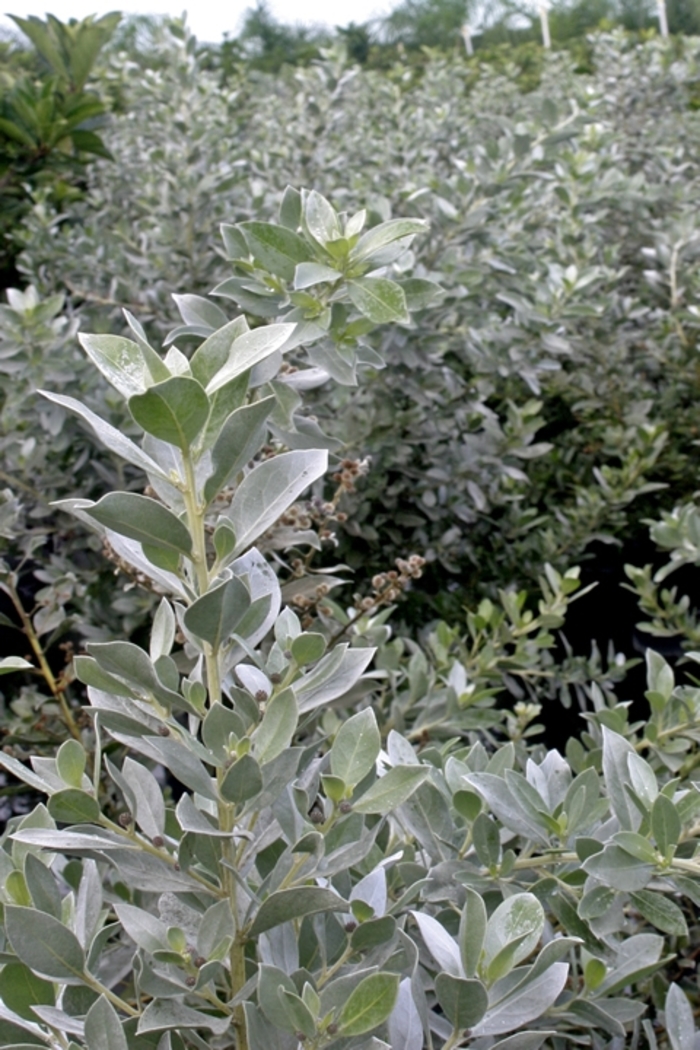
[(610, 614)]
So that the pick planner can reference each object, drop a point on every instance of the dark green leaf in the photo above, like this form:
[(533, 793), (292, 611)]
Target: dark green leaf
[(284, 905), (74, 807), (382, 301), (141, 518), (21, 988), (174, 411), (215, 616), (238, 440), (463, 1002), (242, 781), (369, 1005)]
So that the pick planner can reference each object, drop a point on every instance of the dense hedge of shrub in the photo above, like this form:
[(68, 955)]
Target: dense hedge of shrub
[(458, 365)]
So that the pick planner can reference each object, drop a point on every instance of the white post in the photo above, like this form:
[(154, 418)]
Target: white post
[(663, 20), (467, 34), (544, 19)]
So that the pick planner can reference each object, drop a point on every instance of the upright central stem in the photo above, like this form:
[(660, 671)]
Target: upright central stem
[(195, 522)]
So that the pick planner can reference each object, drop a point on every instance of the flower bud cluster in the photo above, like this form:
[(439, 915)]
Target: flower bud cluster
[(388, 586)]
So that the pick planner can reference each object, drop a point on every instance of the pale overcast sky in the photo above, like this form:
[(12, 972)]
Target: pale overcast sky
[(209, 19)]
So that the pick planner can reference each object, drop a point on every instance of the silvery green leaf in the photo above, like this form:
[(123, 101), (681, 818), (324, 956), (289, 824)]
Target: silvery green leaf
[(400, 751), (642, 778), (247, 350), (270, 980), (163, 630), (214, 352), (270, 489), (42, 886), (103, 1027), (551, 778), (279, 946), (19, 770), (524, 1041), (8, 664), (120, 714), (637, 957), (527, 1004), (615, 867), (194, 309), (129, 661), (679, 1019), (299, 1017), (616, 752), (68, 841), (319, 218), (128, 366), (356, 747), (405, 1028), (333, 676), (464, 1002), (88, 903), (184, 766), (262, 1035), (505, 806), (162, 1014), (386, 233), (279, 723), (660, 912), (441, 946), (216, 925), (147, 931), (307, 274), (512, 932), (237, 442), (192, 819), (45, 945), (147, 794), (60, 1020), (131, 552), (391, 790), (472, 930), (113, 439), (142, 871), (284, 905), (665, 824), (372, 890)]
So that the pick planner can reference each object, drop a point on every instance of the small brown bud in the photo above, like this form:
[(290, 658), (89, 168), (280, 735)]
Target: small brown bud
[(199, 961), (332, 1029), (261, 696), (350, 927), (163, 731), (275, 678), (125, 819), (158, 841), (176, 867), (345, 806), (190, 981)]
